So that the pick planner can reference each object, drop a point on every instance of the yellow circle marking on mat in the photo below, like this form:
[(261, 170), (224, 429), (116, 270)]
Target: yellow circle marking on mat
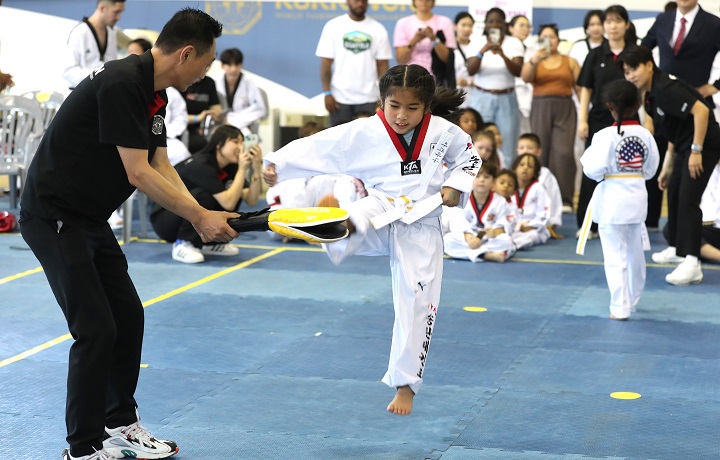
[(625, 395), (475, 309)]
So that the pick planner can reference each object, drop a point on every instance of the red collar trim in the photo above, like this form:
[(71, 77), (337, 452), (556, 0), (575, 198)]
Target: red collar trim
[(627, 123), (413, 151), (480, 213), (521, 199)]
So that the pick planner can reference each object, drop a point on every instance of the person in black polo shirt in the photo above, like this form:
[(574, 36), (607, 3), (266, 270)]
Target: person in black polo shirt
[(602, 66), (693, 152), (107, 139), (202, 101)]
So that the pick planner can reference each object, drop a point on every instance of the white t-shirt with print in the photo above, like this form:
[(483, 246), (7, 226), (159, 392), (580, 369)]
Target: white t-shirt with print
[(493, 73), (355, 47)]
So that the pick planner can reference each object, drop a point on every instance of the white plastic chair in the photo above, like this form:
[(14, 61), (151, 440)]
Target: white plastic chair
[(50, 101), (21, 127), (127, 208)]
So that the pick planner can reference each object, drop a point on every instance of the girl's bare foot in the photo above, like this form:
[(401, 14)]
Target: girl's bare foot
[(402, 402), (495, 256), (329, 201)]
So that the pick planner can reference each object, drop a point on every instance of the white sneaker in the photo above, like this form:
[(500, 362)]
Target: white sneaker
[(99, 455), (219, 249), (667, 256), (185, 252), (134, 441), (685, 273)]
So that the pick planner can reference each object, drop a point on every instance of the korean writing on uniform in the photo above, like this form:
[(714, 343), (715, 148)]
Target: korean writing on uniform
[(428, 336)]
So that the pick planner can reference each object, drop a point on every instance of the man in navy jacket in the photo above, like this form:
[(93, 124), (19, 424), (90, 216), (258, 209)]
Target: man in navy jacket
[(701, 43)]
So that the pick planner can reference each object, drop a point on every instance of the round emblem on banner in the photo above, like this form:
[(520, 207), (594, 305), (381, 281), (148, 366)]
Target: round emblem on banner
[(238, 17), (157, 125)]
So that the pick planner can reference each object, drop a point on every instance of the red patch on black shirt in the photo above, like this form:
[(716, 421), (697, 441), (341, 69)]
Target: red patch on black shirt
[(156, 105)]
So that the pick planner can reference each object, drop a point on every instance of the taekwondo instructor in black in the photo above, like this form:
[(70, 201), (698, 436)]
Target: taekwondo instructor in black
[(693, 151), (108, 139)]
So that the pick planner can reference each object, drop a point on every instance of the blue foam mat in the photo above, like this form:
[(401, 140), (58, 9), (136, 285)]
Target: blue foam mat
[(600, 426), (602, 373), (637, 335), (282, 359)]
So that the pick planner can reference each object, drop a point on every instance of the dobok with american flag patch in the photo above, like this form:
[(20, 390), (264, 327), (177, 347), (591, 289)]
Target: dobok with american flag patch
[(631, 154), (621, 163)]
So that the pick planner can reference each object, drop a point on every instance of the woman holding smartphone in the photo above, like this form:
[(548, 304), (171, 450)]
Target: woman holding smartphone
[(494, 60), (418, 36), (220, 177), (552, 114)]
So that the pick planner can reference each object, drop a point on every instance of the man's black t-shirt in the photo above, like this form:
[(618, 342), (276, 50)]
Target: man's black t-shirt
[(200, 96), (77, 174), (670, 101)]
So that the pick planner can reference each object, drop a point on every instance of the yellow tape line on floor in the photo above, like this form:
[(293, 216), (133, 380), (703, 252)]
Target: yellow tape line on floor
[(7, 279), (160, 298)]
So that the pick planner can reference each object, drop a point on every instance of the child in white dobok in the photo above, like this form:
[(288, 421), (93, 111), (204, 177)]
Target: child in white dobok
[(477, 232), (530, 143), (621, 158), (398, 154), (505, 185), (533, 204)]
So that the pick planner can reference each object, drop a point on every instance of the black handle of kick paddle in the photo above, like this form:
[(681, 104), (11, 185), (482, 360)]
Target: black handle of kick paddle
[(256, 221)]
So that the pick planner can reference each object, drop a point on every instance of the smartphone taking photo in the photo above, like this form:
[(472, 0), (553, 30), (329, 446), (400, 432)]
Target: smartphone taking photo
[(546, 44), (251, 140)]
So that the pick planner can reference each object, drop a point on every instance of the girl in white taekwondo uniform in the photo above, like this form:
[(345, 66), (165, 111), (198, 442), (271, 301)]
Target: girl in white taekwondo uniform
[(477, 232), (398, 154), (533, 204), (621, 158)]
